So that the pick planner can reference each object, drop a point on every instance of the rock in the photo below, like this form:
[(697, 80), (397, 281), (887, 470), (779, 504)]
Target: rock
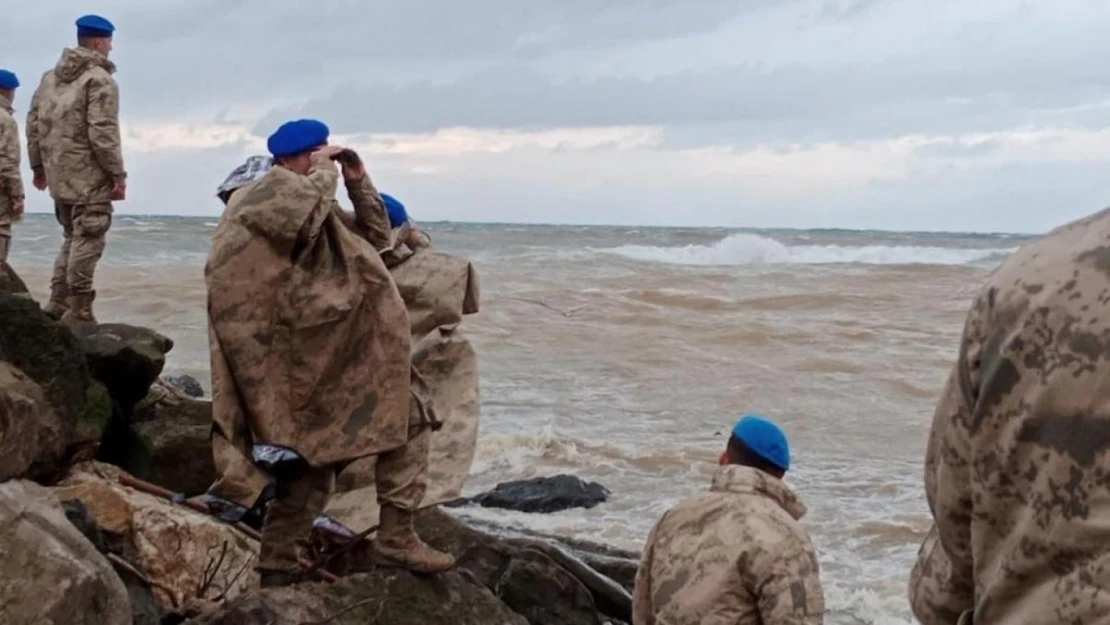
[(51, 573), (186, 384), (543, 494), (388, 596), (171, 545), (523, 573), (10, 281), (51, 356), (126, 359), (32, 438), (174, 433)]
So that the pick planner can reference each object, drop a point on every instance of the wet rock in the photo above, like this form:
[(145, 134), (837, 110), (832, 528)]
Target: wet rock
[(523, 573), (126, 359), (174, 447), (32, 437), (389, 596), (543, 494), (186, 384), (174, 547), (51, 573), (10, 281)]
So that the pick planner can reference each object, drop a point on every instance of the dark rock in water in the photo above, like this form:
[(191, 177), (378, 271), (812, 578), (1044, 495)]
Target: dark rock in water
[(388, 596), (10, 281), (534, 586), (544, 494), (186, 384), (126, 359)]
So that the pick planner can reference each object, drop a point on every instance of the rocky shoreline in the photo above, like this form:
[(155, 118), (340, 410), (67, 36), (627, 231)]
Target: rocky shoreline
[(101, 460)]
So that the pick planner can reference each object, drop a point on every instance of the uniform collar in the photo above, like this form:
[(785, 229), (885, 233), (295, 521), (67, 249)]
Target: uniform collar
[(748, 481), (6, 103)]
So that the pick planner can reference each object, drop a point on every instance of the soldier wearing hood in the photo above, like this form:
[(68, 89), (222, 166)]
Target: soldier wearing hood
[(736, 554), (1017, 468), (310, 353), (11, 182), (73, 144)]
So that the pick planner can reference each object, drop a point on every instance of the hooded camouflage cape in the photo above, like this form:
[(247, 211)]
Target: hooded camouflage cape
[(438, 289), (307, 334), (1017, 470)]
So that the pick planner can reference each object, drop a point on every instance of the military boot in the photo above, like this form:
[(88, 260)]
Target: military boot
[(397, 545), (80, 308), (57, 306)]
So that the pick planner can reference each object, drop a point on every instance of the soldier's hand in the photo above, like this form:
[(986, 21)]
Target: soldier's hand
[(39, 180), (351, 164), (326, 153), (119, 189)]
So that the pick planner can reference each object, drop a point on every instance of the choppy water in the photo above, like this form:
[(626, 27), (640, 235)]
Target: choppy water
[(623, 354)]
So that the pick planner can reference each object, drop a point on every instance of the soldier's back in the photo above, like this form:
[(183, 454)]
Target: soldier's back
[(1037, 432)]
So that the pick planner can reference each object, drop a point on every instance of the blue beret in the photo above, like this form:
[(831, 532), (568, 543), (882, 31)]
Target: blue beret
[(764, 439), (297, 136), (396, 210), (94, 26), (8, 80)]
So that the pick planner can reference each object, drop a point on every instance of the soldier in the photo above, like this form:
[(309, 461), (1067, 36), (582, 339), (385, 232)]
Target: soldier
[(735, 554), (310, 355), (11, 182), (1017, 469), (73, 144)]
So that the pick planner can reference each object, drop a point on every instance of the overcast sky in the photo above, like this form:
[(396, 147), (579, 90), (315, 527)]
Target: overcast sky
[(903, 114)]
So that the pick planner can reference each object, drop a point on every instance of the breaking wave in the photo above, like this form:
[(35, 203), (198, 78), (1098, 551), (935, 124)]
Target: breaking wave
[(750, 249)]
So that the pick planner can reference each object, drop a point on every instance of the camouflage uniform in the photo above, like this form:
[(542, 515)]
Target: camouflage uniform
[(310, 357), (73, 137), (11, 184), (734, 555), (1017, 469)]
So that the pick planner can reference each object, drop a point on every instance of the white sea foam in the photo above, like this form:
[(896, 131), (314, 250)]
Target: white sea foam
[(749, 249)]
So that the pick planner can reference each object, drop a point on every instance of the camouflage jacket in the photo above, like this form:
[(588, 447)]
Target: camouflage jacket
[(734, 555), (1017, 469), (73, 130), (309, 337), (11, 182)]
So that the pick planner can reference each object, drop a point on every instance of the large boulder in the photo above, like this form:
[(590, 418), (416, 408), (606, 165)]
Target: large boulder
[(387, 596), (32, 437), (174, 444), (186, 384), (51, 573), (10, 281), (186, 556), (542, 494), (126, 359), (50, 355)]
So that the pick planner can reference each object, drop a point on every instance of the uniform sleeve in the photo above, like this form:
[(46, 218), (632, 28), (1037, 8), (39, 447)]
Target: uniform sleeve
[(370, 212), (942, 582), (11, 183), (789, 591), (34, 149), (642, 611), (103, 121)]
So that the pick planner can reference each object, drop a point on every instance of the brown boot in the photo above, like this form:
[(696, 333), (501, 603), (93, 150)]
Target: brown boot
[(397, 545), (80, 308), (57, 306)]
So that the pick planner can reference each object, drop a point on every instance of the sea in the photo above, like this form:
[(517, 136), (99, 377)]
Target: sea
[(623, 355)]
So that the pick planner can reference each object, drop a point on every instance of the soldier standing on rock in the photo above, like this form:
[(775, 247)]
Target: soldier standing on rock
[(736, 554), (11, 182), (1017, 469), (74, 146), (311, 354)]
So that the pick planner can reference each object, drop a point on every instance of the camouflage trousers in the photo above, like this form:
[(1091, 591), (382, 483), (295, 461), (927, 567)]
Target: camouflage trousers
[(84, 229), (302, 496), (5, 246)]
